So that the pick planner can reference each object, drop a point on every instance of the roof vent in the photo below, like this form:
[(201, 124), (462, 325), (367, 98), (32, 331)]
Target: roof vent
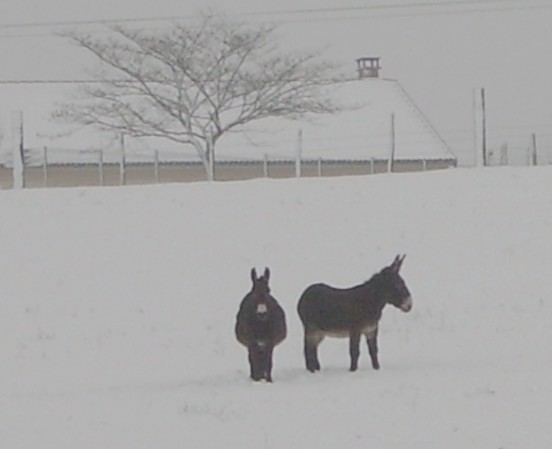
[(368, 67)]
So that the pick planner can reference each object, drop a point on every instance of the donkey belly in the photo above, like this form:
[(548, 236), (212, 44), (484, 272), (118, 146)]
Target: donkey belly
[(336, 333), (368, 330)]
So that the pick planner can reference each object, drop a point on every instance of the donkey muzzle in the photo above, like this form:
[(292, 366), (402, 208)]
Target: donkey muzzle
[(406, 305), (261, 311)]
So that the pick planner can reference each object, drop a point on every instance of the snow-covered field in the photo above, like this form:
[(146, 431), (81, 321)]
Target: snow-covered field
[(117, 308)]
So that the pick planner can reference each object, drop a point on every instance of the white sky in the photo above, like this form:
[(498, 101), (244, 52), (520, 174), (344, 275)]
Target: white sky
[(439, 54)]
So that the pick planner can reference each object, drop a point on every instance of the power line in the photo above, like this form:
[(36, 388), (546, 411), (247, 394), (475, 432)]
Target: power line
[(357, 17), (51, 81), (491, 5), (311, 15), (494, 4), (393, 6)]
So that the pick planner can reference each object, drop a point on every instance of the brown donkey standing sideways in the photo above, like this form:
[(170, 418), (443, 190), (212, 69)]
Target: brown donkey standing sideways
[(351, 312), (260, 326)]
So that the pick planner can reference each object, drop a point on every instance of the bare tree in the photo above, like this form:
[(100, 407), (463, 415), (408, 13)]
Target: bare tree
[(194, 83)]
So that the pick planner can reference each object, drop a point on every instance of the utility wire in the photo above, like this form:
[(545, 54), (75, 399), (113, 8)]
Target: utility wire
[(316, 16), (337, 14), (493, 5), (46, 81), (457, 12), (393, 6)]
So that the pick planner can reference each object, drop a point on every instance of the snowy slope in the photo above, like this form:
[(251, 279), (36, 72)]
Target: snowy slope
[(117, 308)]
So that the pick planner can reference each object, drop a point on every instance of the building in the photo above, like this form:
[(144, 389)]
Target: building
[(378, 121)]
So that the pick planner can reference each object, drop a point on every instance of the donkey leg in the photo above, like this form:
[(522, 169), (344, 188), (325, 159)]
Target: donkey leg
[(268, 363), (251, 359), (256, 373), (354, 349), (312, 340), (372, 341)]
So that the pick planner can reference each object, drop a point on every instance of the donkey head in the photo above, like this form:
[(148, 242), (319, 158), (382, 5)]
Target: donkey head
[(395, 288), (260, 293)]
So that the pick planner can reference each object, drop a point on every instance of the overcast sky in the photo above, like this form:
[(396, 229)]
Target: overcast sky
[(439, 52)]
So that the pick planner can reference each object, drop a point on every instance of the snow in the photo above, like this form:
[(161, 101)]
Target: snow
[(117, 308)]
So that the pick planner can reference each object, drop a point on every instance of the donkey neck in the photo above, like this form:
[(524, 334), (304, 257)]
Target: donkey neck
[(373, 294)]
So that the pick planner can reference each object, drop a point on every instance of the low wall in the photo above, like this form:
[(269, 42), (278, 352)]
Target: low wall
[(136, 174)]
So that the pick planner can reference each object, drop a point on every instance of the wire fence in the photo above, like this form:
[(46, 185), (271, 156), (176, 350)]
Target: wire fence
[(95, 167)]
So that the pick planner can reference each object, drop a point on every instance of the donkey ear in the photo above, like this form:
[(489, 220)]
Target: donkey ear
[(267, 274), (396, 265), (253, 275)]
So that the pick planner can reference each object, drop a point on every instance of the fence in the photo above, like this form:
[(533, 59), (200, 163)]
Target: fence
[(42, 168)]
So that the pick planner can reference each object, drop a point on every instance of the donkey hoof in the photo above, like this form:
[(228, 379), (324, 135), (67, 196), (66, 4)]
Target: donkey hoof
[(313, 368)]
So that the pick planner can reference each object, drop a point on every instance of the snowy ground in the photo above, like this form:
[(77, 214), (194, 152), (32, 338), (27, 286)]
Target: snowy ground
[(117, 309)]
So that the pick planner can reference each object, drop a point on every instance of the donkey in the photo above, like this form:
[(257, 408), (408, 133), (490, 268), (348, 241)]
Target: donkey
[(351, 312), (260, 326)]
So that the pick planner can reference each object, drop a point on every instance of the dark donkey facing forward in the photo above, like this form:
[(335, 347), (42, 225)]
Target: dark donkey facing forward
[(260, 326), (351, 312)]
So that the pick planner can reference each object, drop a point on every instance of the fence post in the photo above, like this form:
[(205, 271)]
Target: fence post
[(122, 163), (45, 167), (210, 157), (534, 153), (298, 153), (424, 165), (265, 165), (480, 127), (100, 167), (319, 167), (372, 165), (392, 149), (18, 169), (156, 165)]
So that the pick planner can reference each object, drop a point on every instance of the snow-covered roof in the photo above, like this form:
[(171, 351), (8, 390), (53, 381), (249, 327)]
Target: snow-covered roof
[(360, 131)]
